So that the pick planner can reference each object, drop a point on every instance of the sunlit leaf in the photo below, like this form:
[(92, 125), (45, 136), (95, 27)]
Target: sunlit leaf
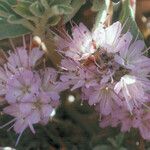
[(127, 17)]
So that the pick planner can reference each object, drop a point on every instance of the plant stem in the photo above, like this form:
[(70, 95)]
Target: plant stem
[(142, 144)]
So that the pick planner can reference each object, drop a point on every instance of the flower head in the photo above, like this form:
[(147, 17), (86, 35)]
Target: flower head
[(79, 46), (23, 59), (22, 86), (133, 90)]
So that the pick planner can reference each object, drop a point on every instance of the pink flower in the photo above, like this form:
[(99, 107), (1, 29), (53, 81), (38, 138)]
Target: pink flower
[(50, 86), (79, 46), (142, 122), (22, 86), (37, 110), (133, 90), (131, 54), (41, 105), (108, 38), (103, 97), (125, 118), (23, 59), (78, 76), (23, 119), (32, 111), (119, 116), (85, 43)]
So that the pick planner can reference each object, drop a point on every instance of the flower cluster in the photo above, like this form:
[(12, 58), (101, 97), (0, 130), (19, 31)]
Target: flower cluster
[(32, 94), (108, 66), (112, 72)]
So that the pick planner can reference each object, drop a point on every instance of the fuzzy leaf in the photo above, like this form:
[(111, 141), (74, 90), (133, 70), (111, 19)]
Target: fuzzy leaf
[(12, 19), (9, 2), (45, 4), (119, 139), (127, 17), (76, 5), (11, 30), (5, 9), (61, 9), (37, 9), (102, 147), (113, 142), (102, 13), (60, 2), (22, 9), (54, 20), (50, 2), (96, 5)]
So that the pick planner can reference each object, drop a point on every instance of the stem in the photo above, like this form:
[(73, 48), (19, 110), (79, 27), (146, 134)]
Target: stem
[(142, 144), (50, 47)]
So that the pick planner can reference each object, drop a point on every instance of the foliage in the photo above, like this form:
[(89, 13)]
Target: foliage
[(34, 16)]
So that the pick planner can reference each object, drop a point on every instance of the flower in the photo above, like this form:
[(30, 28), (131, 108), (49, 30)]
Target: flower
[(23, 59), (23, 119), (50, 86), (32, 97), (119, 116), (79, 46), (77, 75), (131, 54), (132, 90), (142, 122), (85, 43), (108, 38), (32, 111), (102, 97), (22, 86), (41, 105), (31, 94)]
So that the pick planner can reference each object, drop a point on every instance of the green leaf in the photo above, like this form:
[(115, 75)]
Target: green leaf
[(60, 2), (127, 18), (54, 20), (61, 9), (5, 9), (37, 9), (122, 148), (76, 5), (11, 30), (102, 13), (117, 7), (119, 139), (50, 2), (113, 142), (10, 2), (102, 147), (45, 4), (96, 5), (22, 9), (12, 19)]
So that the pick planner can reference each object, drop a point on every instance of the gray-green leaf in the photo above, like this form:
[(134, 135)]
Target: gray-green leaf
[(11, 30)]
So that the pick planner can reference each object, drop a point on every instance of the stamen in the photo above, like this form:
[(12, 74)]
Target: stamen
[(13, 120), (12, 45), (31, 127), (24, 41), (18, 139), (145, 51)]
